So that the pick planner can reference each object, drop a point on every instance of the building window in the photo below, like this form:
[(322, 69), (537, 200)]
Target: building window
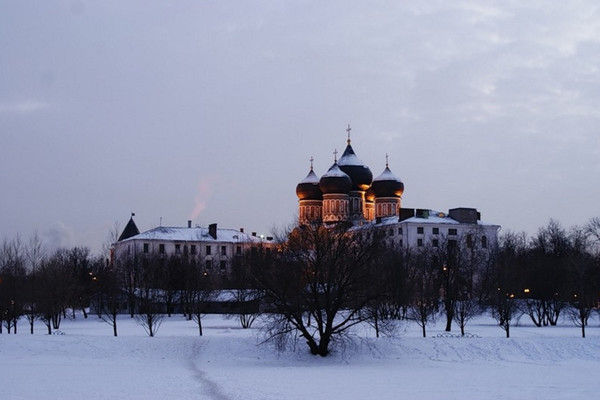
[(484, 243), (452, 232), (193, 249), (161, 248), (146, 248), (420, 230), (470, 241), (223, 265), (436, 231), (223, 250), (399, 231), (238, 250), (208, 264), (177, 249), (435, 242), (420, 242), (208, 250), (391, 232), (401, 243), (452, 244)]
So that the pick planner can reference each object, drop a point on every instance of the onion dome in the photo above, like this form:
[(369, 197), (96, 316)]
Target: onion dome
[(360, 174), (387, 184), (308, 188), (335, 181)]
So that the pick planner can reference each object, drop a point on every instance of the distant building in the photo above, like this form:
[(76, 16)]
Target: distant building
[(347, 192), (215, 248)]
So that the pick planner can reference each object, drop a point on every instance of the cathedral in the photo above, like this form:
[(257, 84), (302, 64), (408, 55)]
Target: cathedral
[(347, 192)]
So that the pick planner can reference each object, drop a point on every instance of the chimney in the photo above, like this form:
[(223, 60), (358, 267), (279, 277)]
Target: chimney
[(253, 233), (212, 230), (241, 230), (189, 223)]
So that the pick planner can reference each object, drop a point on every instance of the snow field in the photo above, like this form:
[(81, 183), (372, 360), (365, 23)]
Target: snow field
[(228, 363)]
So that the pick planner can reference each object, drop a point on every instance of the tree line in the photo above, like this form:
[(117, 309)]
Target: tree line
[(321, 282), (35, 285), (318, 283)]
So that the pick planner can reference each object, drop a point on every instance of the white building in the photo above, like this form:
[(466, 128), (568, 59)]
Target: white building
[(213, 247), (418, 228)]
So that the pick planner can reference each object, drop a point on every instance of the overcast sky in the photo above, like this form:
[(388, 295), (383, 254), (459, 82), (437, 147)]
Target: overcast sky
[(211, 110)]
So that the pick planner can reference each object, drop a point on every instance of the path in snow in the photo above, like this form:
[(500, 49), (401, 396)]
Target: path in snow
[(209, 387)]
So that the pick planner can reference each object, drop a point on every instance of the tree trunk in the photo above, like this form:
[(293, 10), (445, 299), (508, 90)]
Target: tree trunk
[(324, 345), (115, 326)]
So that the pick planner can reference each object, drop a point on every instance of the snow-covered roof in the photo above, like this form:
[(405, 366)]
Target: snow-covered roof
[(335, 171), (310, 178), (387, 175), (350, 159), (434, 217), (195, 234)]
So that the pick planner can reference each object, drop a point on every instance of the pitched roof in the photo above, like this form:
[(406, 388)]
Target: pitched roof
[(130, 230)]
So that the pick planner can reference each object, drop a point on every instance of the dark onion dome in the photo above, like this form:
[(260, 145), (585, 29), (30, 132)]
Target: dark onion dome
[(360, 174), (308, 188), (387, 185), (335, 181)]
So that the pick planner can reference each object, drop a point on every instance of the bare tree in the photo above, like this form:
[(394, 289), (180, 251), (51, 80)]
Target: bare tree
[(384, 312), (243, 291), (503, 310), (150, 299), (201, 296), (502, 277), (128, 269), (78, 264), (545, 267), (109, 296), (52, 289), (584, 278), (35, 253), (12, 279), (592, 231), (424, 275), (111, 238), (317, 283)]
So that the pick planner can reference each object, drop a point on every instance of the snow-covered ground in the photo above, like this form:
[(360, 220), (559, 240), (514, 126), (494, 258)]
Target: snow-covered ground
[(87, 362)]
